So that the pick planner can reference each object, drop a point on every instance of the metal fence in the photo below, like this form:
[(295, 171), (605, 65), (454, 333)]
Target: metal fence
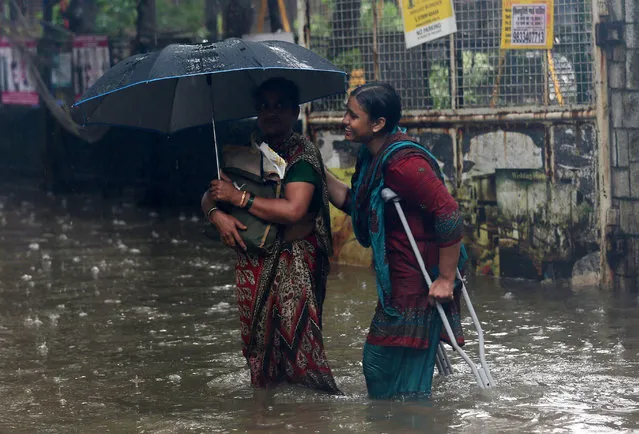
[(466, 70)]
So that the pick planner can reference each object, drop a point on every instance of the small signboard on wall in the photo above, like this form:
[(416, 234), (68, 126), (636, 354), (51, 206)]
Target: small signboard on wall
[(527, 24), (427, 20), (90, 61), (16, 83)]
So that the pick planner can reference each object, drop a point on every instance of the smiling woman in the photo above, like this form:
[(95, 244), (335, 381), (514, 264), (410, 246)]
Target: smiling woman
[(400, 350)]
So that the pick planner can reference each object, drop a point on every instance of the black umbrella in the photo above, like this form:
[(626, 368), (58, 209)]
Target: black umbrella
[(182, 86)]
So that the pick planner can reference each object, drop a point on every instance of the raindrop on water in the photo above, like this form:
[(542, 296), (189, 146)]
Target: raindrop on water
[(46, 262), (30, 322), (175, 378), (43, 350), (54, 317), (137, 382)]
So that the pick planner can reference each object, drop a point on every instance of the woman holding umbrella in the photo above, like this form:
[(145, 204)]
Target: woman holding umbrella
[(280, 293), (401, 347)]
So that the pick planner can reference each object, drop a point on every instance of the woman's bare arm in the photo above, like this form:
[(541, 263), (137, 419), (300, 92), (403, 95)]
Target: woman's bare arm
[(290, 209)]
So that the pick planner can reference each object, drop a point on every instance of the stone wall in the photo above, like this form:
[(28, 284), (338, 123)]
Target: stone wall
[(623, 91)]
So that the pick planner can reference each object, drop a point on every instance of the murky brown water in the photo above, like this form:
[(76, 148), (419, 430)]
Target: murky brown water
[(114, 319)]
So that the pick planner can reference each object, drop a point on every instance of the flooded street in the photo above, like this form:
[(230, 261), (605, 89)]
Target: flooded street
[(117, 319)]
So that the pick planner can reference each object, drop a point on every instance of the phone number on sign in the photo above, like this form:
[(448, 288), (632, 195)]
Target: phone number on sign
[(529, 37)]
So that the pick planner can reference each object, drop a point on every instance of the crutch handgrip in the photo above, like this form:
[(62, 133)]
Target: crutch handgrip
[(388, 195)]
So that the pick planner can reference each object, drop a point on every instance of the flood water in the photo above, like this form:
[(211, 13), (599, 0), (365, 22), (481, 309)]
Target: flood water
[(117, 319)]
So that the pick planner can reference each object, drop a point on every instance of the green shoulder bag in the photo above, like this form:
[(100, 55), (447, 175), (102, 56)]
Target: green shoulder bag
[(243, 165)]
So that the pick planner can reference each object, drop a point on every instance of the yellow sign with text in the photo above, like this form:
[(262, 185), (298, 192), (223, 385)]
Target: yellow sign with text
[(527, 24), (427, 20)]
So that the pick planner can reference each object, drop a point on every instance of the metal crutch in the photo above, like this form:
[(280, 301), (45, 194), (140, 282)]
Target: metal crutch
[(442, 362), (482, 373)]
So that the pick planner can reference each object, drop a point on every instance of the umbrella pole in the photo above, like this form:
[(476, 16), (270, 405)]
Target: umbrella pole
[(217, 153)]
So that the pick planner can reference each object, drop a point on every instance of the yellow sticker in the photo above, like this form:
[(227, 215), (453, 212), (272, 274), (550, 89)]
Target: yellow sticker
[(527, 24)]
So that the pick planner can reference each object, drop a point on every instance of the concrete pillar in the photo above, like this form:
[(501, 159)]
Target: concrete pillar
[(622, 239)]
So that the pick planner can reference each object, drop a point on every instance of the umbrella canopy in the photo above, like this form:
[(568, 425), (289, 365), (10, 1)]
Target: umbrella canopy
[(182, 86)]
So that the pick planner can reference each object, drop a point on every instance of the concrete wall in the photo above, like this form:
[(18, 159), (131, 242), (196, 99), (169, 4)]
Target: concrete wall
[(623, 88)]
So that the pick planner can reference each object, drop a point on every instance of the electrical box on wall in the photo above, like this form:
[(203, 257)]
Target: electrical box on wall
[(609, 33)]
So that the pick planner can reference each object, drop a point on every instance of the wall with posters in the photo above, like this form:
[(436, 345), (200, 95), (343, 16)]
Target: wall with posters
[(25, 147), (16, 83), (90, 61), (21, 122)]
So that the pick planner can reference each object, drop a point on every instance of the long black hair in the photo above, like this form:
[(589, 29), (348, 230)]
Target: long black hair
[(380, 100)]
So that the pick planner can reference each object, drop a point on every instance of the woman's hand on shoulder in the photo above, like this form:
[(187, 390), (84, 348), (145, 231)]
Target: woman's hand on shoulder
[(338, 191)]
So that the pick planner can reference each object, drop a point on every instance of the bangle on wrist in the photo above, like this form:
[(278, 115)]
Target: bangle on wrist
[(244, 193), (210, 211), (249, 202)]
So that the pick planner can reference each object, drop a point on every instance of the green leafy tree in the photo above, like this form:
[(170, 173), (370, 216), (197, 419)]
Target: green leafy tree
[(116, 17), (185, 16), (477, 69), (439, 87), (389, 18)]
